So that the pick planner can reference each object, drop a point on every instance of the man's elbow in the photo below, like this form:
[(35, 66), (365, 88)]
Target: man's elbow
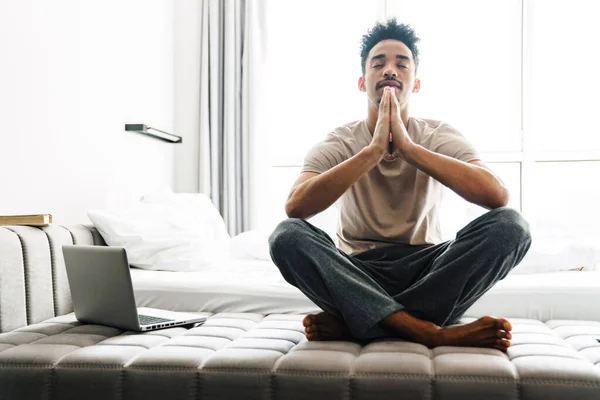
[(500, 198), (290, 211), (293, 210)]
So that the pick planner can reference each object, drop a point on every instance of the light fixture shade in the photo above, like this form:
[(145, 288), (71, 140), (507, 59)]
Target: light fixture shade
[(153, 132)]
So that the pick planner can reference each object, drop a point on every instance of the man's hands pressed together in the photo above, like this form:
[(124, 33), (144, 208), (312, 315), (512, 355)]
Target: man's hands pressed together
[(382, 135), (390, 139)]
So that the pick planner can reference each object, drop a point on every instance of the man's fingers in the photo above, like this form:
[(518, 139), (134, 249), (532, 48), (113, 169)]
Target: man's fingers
[(383, 103), (384, 110), (391, 101), (387, 101), (394, 103)]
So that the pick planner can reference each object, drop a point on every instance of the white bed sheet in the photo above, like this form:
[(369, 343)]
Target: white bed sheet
[(543, 296), (256, 286), (235, 285)]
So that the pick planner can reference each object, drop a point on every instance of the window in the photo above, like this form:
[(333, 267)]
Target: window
[(566, 199), (561, 75), (517, 77)]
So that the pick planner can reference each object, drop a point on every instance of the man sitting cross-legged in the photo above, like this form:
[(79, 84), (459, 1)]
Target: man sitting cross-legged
[(392, 275)]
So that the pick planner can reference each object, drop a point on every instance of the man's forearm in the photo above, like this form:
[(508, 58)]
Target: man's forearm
[(318, 193), (471, 182)]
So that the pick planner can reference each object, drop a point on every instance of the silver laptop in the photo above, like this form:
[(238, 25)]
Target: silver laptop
[(102, 291)]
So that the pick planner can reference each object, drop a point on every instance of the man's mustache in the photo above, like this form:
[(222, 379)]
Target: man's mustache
[(381, 83)]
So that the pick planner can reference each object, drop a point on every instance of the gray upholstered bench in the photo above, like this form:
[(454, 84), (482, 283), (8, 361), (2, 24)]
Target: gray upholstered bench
[(252, 356), (46, 354)]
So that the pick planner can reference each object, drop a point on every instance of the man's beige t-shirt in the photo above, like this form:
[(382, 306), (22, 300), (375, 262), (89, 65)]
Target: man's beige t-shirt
[(393, 203)]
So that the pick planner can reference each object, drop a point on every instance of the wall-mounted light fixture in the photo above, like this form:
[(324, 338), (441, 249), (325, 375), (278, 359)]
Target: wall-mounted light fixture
[(156, 133)]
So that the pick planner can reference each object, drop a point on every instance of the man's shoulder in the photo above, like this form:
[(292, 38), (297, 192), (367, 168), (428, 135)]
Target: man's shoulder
[(347, 135), (432, 130), (349, 129), (430, 124), (341, 143)]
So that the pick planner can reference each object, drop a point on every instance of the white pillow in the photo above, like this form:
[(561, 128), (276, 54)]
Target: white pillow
[(166, 231), (252, 244)]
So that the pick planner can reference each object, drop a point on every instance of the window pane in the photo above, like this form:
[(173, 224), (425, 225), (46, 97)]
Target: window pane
[(457, 212), (567, 207), (312, 70), (282, 179), (562, 73), (470, 66)]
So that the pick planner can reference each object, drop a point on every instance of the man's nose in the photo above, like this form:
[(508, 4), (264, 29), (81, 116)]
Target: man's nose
[(390, 73)]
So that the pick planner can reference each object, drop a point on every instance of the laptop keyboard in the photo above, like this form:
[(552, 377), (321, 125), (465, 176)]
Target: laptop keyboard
[(148, 320)]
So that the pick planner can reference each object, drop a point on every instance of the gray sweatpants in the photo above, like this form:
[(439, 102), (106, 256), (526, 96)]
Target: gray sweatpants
[(437, 283)]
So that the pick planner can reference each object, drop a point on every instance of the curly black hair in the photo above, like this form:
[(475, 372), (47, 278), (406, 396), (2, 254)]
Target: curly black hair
[(390, 29)]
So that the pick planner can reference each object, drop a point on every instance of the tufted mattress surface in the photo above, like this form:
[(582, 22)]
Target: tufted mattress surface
[(252, 356)]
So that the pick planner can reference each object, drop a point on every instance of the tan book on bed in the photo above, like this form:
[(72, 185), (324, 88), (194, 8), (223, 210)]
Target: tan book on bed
[(31, 220)]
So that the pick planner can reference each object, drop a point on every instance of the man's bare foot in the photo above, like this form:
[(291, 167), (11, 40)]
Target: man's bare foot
[(485, 332), (324, 326)]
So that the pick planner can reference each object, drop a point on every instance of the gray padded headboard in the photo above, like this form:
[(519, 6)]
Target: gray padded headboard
[(33, 280)]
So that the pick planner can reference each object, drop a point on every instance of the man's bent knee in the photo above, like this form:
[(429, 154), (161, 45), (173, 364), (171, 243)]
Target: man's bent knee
[(510, 226), (286, 234)]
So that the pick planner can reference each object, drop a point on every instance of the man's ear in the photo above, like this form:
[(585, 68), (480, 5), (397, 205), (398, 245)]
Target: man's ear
[(361, 84), (417, 85)]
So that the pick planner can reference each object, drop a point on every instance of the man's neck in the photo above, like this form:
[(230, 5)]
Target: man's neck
[(373, 114)]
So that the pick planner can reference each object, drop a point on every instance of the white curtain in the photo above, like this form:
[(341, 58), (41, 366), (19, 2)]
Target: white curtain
[(227, 30)]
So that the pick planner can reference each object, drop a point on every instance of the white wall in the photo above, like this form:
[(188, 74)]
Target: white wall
[(188, 19), (72, 73)]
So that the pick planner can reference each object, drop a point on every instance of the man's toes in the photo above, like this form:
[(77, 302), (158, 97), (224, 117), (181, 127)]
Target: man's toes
[(503, 334), (308, 320), (501, 344), (504, 324), (311, 329)]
